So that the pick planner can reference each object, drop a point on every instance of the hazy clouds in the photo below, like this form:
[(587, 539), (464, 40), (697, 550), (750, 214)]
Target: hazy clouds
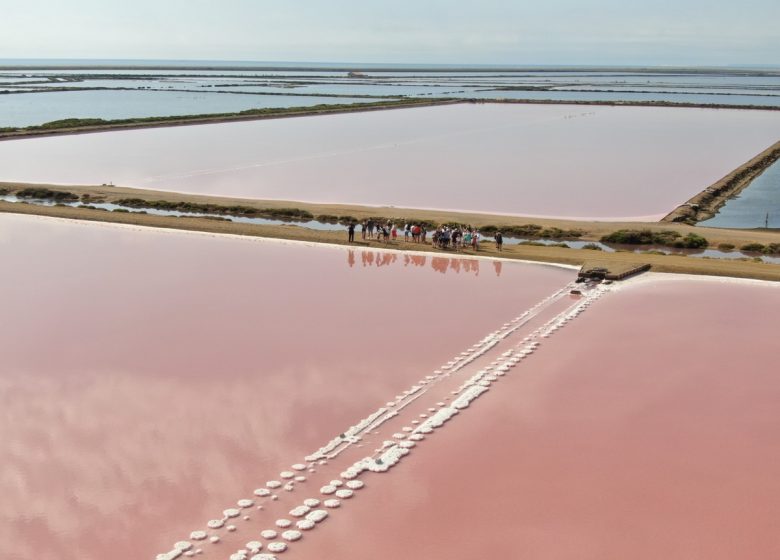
[(433, 31)]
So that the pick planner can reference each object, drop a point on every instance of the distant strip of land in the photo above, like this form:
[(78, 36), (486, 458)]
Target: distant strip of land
[(583, 230), (81, 126), (706, 204)]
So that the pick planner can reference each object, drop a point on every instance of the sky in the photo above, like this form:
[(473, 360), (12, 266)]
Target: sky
[(547, 32)]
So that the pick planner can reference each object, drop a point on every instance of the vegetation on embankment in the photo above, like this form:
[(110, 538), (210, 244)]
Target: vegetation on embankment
[(72, 126), (535, 228), (577, 257), (664, 238), (706, 204)]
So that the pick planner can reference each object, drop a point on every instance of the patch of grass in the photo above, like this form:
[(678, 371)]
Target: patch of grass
[(726, 247), (285, 214), (41, 193), (592, 247), (666, 238)]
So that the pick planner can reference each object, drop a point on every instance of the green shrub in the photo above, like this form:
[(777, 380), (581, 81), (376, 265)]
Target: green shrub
[(726, 247), (753, 248), (592, 247), (41, 193)]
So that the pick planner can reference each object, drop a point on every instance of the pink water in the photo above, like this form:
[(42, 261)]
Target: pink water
[(562, 161), (646, 428), (150, 379)]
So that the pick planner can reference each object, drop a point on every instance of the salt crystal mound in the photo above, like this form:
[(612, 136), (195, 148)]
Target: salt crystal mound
[(391, 453), (183, 546), (317, 515), (240, 555), (289, 487), (245, 503), (311, 502), (283, 523), (198, 535), (331, 503), (286, 474), (231, 512), (215, 523), (336, 482), (254, 546), (300, 478), (214, 539), (268, 534), (231, 528), (344, 493), (300, 511), (292, 535), (356, 484), (277, 546), (263, 556)]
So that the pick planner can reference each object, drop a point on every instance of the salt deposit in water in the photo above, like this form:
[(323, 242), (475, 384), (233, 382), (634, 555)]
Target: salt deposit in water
[(283, 523), (268, 534), (291, 535), (277, 546)]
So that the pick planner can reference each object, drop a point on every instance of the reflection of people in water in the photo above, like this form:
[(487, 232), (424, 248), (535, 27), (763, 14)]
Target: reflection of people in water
[(498, 265), (351, 258), (439, 264)]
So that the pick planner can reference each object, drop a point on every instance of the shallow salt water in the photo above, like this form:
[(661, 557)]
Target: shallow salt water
[(153, 381), (621, 437), (564, 161)]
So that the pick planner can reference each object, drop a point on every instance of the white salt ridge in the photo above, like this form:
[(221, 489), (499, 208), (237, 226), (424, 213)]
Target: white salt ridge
[(317, 515), (254, 546), (240, 555), (268, 534), (263, 556), (245, 503), (305, 524), (344, 493), (331, 503), (262, 492), (215, 524), (277, 546), (183, 546), (300, 511), (328, 489), (286, 474), (292, 535), (283, 523), (298, 467), (336, 483), (469, 391), (311, 502), (198, 535), (355, 484), (231, 512), (300, 479)]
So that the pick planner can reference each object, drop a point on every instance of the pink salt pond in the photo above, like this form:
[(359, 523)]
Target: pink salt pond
[(534, 160), (150, 379), (647, 428)]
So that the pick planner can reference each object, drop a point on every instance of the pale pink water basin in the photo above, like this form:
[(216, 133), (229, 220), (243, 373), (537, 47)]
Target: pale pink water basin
[(151, 379), (535, 160), (645, 425)]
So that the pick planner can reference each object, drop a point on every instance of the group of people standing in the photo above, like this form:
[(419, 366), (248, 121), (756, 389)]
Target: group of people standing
[(444, 237)]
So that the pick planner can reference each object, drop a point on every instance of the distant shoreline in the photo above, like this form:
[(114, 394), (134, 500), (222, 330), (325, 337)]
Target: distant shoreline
[(38, 131)]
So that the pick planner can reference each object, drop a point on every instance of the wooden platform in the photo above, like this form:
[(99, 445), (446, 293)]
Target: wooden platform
[(611, 270)]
